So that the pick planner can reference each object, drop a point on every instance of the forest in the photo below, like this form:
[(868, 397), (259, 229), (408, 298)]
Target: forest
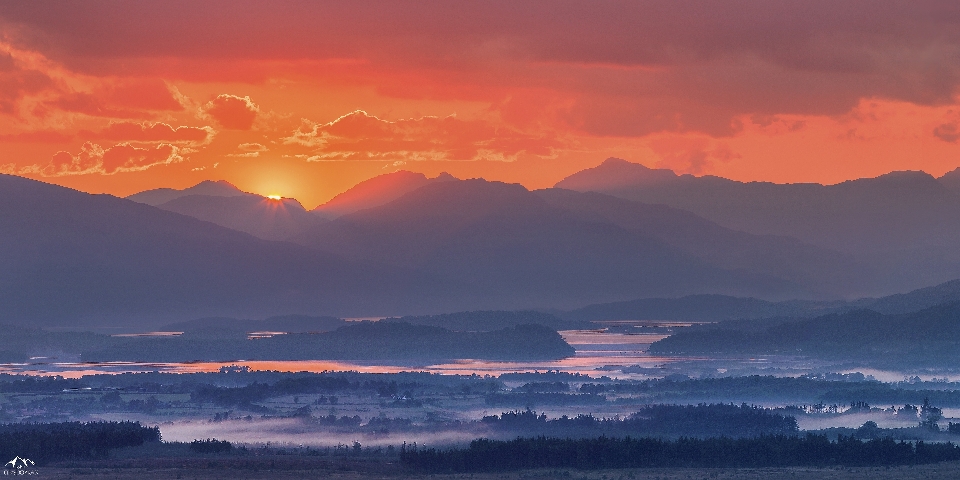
[(47, 442), (598, 453)]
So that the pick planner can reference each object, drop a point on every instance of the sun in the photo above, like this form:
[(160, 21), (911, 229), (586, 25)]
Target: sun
[(274, 197)]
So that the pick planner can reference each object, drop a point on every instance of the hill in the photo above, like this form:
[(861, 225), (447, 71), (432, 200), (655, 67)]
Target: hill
[(485, 321), (929, 337), (718, 308)]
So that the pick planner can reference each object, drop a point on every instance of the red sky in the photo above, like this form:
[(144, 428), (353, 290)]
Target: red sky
[(305, 99)]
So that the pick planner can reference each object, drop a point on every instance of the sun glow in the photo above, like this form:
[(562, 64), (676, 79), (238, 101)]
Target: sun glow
[(274, 197)]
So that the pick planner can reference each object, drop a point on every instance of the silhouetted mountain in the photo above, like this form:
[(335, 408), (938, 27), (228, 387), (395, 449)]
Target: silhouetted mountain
[(926, 337), (716, 308), (384, 341), (157, 196), (905, 223), (948, 292), (259, 216), (218, 339), (951, 180), (485, 321), (777, 256), (701, 308), (220, 326), (514, 244), (376, 191), (71, 258)]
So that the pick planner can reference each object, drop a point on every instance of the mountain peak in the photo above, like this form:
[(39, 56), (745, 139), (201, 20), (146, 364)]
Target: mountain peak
[(377, 191), (615, 173), (212, 188)]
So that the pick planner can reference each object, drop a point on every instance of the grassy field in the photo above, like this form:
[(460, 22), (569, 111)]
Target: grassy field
[(274, 469)]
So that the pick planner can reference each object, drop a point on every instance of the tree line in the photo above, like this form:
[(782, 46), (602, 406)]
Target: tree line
[(485, 455), (46, 442)]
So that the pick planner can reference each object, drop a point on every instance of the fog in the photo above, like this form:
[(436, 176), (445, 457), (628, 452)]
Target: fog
[(296, 432)]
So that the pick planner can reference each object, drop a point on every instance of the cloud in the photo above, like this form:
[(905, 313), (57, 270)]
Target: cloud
[(249, 150), (232, 112), (361, 136), (948, 132), (18, 81), (39, 136), (632, 68), (151, 132), (691, 155), (123, 157)]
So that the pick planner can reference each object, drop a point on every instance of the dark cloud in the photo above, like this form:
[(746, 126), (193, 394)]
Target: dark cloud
[(625, 67), (948, 132)]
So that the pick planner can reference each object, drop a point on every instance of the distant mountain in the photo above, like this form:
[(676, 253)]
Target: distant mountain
[(951, 180), (777, 256), (485, 321), (219, 188), (259, 216), (376, 191), (718, 308), (221, 326), (701, 308), (383, 341), (558, 248), (944, 293), (74, 259), (389, 341), (904, 223), (929, 337)]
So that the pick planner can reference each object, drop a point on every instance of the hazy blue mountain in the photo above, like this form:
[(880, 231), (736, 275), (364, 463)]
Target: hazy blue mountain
[(828, 272), (948, 292), (218, 326), (157, 196), (716, 308), (259, 216), (376, 191), (951, 180), (72, 259), (701, 308), (485, 321), (906, 224), (923, 338), (518, 245), (216, 339)]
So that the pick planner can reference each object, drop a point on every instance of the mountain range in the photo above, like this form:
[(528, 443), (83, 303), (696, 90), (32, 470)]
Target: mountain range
[(226, 205), (76, 259), (404, 244), (906, 224), (718, 308)]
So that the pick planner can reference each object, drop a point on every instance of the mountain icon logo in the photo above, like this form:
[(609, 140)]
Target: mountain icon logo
[(19, 463)]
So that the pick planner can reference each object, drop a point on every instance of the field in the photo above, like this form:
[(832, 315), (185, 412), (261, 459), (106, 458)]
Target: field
[(268, 468)]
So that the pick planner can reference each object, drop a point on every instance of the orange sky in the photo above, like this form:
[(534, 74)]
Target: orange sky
[(305, 99)]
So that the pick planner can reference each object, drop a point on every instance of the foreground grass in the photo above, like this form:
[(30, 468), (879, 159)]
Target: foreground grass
[(359, 471)]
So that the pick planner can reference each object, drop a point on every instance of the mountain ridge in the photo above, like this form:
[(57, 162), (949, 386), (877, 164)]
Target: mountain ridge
[(904, 223)]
